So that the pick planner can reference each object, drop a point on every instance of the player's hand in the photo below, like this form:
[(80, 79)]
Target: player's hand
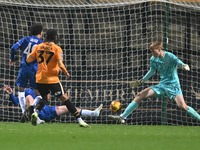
[(135, 83), (67, 75), (7, 89), (12, 62), (186, 67)]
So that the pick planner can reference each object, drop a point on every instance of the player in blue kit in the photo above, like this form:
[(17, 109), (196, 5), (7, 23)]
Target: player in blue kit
[(27, 70), (48, 113), (166, 64)]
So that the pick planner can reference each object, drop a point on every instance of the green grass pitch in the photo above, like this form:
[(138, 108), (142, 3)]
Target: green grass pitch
[(69, 136)]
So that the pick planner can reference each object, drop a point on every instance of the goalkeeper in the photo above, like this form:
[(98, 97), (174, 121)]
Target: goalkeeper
[(166, 65), (48, 113)]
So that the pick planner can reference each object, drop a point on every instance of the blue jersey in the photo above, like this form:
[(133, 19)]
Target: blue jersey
[(46, 114), (166, 67), (27, 45), (15, 100)]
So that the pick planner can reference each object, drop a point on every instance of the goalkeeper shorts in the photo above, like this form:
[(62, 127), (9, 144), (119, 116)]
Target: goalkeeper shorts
[(166, 90)]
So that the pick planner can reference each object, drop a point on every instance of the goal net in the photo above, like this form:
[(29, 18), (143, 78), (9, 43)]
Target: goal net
[(106, 46)]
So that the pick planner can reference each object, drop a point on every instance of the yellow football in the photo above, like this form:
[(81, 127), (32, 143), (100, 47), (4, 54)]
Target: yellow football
[(115, 106)]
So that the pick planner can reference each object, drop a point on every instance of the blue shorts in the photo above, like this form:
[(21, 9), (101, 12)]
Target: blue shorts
[(24, 75), (48, 113), (162, 90)]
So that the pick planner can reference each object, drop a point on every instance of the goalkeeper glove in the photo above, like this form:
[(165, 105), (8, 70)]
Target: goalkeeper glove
[(135, 83), (186, 67)]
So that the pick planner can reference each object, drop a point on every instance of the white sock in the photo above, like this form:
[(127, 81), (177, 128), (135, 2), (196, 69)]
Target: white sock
[(22, 101), (39, 121), (36, 111), (85, 112), (80, 120), (36, 100)]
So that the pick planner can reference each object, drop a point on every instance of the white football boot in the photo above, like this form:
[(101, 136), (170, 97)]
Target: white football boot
[(117, 118), (98, 110)]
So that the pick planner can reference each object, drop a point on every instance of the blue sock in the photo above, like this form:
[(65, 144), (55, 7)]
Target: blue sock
[(81, 112), (193, 113), (131, 107)]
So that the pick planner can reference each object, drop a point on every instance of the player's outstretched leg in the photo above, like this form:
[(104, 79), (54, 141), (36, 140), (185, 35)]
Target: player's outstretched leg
[(34, 117), (98, 110), (117, 118), (24, 117)]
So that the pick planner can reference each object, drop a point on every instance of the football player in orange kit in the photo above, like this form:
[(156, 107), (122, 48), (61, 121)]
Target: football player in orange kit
[(49, 57)]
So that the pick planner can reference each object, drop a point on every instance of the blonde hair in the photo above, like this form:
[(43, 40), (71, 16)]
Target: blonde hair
[(156, 45)]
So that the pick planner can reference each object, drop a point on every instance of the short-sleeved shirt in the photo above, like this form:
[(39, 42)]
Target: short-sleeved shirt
[(47, 54), (27, 45)]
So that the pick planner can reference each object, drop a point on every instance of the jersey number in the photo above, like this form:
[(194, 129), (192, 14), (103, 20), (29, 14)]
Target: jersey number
[(28, 49), (42, 58)]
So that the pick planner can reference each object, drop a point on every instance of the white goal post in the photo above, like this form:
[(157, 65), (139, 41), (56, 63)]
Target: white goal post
[(106, 46)]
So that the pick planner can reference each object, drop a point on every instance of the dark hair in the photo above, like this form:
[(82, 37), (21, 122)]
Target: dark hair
[(51, 35), (35, 29)]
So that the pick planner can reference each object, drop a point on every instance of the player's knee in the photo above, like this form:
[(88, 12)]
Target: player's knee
[(183, 107), (63, 98), (140, 95)]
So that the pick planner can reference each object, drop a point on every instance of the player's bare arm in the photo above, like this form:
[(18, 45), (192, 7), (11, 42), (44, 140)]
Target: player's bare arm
[(62, 67)]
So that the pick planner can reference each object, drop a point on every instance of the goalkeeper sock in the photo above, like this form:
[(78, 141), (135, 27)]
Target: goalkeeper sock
[(193, 113), (22, 101), (131, 107)]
